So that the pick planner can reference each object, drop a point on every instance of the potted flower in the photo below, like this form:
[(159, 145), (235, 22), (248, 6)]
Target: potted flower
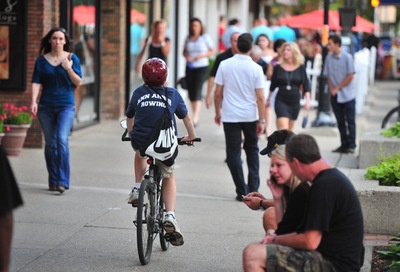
[(16, 122)]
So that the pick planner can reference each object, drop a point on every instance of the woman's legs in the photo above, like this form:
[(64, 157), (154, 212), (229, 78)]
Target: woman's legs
[(196, 106), (56, 124), (282, 123)]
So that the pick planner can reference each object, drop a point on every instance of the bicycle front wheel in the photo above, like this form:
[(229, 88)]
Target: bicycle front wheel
[(144, 223), (391, 118)]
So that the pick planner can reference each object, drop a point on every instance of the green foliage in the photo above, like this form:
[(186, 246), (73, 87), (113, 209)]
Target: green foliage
[(394, 131), (392, 256), (387, 171)]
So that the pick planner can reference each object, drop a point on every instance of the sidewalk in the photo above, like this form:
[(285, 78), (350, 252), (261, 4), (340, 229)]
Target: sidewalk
[(89, 227)]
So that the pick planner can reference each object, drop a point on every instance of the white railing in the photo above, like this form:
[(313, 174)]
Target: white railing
[(313, 72)]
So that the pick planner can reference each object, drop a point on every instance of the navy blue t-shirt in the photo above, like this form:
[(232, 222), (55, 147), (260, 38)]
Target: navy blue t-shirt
[(147, 108), (57, 87)]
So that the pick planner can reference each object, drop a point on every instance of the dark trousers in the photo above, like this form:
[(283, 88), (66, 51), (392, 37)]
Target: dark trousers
[(233, 139), (195, 78), (345, 114)]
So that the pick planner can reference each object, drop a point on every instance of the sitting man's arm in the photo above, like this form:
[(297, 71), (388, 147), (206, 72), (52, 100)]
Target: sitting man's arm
[(308, 240)]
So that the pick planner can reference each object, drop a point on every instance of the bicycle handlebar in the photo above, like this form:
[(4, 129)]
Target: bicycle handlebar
[(180, 142), (124, 138)]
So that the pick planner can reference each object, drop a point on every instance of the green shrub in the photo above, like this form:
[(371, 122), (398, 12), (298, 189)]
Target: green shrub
[(394, 131), (387, 171), (392, 256)]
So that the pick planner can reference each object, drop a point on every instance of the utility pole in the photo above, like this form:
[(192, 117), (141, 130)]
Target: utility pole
[(324, 96)]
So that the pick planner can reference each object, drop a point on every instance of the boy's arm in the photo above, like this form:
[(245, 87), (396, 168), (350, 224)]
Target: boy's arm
[(187, 121), (129, 124)]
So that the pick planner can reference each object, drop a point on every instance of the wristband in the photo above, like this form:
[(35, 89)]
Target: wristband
[(261, 205)]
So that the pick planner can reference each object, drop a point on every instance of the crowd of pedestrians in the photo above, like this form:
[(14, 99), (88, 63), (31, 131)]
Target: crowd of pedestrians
[(315, 215)]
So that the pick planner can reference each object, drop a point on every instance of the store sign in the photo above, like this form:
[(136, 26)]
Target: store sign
[(12, 44)]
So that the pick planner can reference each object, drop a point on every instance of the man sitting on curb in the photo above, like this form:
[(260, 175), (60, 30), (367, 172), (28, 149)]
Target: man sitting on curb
[(331, 238)]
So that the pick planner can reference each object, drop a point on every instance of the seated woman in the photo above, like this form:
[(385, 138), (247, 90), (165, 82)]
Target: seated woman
[(286, 211)]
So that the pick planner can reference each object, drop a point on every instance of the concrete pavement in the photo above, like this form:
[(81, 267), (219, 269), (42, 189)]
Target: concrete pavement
[(89, 227)]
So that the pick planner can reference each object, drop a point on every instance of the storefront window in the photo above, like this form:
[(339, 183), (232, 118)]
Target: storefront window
[(84, 28), (139, 33)]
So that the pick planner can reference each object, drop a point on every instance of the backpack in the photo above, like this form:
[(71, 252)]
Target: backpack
[(163, 143)]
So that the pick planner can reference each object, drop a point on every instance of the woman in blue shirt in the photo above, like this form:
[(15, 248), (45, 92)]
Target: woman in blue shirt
[(56, 74)]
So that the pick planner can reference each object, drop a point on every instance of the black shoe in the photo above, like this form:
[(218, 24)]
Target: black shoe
[(60, 189), (340, 149), (239, 198), (350, 150)]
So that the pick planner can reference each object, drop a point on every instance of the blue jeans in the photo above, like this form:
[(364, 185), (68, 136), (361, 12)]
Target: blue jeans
[(233, 140), (56, 125), (345, 114)]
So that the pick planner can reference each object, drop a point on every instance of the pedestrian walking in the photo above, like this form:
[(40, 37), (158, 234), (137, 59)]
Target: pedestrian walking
[(239, 106), (56, 75), (339, 71)]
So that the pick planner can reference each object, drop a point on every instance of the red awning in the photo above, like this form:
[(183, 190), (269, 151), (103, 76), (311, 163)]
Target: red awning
[(315, 20), (86, 15)]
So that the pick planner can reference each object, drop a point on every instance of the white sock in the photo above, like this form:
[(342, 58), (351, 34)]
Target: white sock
[(170, 213), (136, 185)]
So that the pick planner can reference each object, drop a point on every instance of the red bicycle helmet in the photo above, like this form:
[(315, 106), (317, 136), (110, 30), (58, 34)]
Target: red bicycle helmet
[(154, 72)]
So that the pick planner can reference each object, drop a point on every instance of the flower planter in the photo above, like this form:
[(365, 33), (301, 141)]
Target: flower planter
[(14, 138)]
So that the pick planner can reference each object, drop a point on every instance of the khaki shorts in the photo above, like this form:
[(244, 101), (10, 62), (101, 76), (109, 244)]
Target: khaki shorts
[(282, 258), (166, 171)]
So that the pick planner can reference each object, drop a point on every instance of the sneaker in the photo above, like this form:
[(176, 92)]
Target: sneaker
[(172, 231), (350, 150), (340, 149), (133, 196)]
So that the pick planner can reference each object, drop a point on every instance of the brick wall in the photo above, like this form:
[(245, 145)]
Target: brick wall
[(45, 14), (112, 59)]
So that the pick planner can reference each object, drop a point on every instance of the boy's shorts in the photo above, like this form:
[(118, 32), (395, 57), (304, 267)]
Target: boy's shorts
[(166, 171), (282, 258)]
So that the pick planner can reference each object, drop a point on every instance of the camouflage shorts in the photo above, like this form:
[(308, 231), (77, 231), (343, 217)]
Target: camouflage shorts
[(282, 258)]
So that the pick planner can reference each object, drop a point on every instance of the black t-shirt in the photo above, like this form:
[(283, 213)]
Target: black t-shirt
[(294, 213), (223, 56), (295, 79), (335, 210), (10, 197), (156, 52)]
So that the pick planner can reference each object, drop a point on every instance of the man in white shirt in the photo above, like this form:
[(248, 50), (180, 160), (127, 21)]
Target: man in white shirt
[(239, 106)]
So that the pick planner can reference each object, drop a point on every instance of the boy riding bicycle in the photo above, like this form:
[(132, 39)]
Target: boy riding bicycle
[(144, 111)]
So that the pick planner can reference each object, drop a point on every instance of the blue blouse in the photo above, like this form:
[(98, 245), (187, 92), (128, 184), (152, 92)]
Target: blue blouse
[(57, 87)]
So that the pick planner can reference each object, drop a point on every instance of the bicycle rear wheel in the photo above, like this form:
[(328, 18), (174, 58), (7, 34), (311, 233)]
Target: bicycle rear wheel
[(391, 118), (145, 223)]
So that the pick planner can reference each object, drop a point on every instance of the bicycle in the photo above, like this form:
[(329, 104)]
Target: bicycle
[(150, 208), (391, 118)]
